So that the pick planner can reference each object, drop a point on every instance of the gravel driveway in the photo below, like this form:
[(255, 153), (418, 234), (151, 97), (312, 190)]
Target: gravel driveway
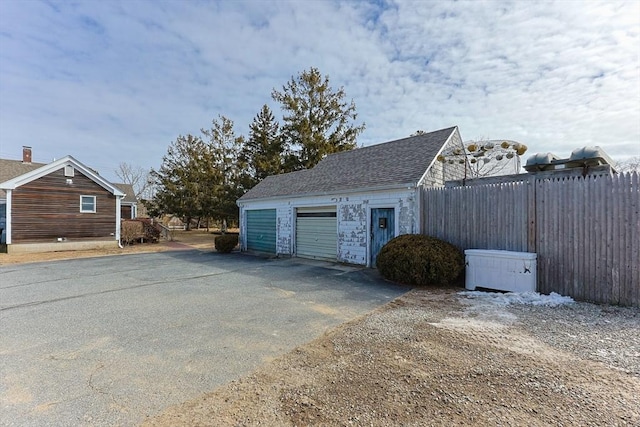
[(438, 357), (113, 340)]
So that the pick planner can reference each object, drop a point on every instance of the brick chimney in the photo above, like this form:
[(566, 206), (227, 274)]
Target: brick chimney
[(26, 154)]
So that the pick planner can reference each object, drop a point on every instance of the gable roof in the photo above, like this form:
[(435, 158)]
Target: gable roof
[(129, 194), (48, 168), (402, 162), (12, 168)]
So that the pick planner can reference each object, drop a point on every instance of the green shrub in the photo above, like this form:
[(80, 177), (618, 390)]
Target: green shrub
[(226, 242), (415, 259)]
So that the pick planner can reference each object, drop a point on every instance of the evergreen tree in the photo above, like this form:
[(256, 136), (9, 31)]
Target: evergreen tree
[(263, 151), (186, 180), (228, 161), (317, 120), (201, 178)]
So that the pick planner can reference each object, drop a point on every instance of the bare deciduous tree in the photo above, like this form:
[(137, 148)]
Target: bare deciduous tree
[(137, 177), (632, 164)]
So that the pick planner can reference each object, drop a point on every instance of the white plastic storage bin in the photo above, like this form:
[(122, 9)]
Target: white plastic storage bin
[(500, 270)]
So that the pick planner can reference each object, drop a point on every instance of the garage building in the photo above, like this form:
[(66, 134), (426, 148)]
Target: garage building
[(350, 204)]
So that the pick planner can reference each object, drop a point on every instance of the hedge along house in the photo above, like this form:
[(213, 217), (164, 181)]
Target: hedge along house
[(350, 204), (62, 205)]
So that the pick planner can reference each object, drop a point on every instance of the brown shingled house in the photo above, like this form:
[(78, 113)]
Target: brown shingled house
[(62, 205)]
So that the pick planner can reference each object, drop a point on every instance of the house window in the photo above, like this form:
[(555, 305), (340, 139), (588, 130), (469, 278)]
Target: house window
[(88, 204)]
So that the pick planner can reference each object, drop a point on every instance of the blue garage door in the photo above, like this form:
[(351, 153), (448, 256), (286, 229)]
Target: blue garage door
[(261, 230)]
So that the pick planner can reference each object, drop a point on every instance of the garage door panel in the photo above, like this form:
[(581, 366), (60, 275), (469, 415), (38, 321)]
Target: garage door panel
[(261, 230), (317, 224), (314, 242), (316, 233)]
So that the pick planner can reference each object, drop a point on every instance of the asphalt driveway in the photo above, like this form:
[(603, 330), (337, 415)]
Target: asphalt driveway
[(112, 340)]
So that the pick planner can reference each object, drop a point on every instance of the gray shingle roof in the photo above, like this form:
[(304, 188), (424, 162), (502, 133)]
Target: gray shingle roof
[(399, 162), (127, 189), (10, 169)]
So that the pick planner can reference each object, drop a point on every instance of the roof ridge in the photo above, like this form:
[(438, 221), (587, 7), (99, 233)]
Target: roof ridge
[(393, 163), (377, 145)]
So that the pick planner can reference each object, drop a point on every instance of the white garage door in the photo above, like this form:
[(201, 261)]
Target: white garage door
[(317, 233)]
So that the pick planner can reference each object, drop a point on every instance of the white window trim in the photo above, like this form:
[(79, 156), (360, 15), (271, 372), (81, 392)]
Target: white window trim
[(94, 205)]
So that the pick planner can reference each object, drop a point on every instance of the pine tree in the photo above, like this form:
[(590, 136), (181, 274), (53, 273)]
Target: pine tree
[(317, 120), (201, 178), (186, 180), (228, 161), (264, 149)]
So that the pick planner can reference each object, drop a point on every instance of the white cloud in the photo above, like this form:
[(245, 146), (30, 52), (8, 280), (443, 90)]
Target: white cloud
[(117, 81)]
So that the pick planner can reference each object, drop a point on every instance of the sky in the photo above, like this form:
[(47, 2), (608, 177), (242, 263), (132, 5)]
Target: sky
[(112, 82)]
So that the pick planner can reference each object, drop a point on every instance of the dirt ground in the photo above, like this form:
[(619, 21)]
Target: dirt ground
[(198, 239), (434, 357), (427, 359)]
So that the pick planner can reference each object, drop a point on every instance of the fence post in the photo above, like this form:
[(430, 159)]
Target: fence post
[(531, 215)]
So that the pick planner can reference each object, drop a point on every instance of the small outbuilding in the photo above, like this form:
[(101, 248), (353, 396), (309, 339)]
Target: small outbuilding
[(351, 203)]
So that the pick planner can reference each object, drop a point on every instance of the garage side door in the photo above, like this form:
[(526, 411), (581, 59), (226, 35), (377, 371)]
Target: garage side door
[(261, 230), (316, 233)]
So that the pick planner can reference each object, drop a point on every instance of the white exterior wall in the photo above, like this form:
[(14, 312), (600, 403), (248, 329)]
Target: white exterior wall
[(353, 219), (284, 230), (440, 172)]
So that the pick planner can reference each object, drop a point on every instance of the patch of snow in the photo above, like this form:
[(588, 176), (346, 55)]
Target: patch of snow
[(518, 298)]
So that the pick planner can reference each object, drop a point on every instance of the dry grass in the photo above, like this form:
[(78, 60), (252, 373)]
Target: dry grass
[(197, 239)]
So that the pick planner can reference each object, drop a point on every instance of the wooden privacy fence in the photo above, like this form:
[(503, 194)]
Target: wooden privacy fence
[(585, 230)]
